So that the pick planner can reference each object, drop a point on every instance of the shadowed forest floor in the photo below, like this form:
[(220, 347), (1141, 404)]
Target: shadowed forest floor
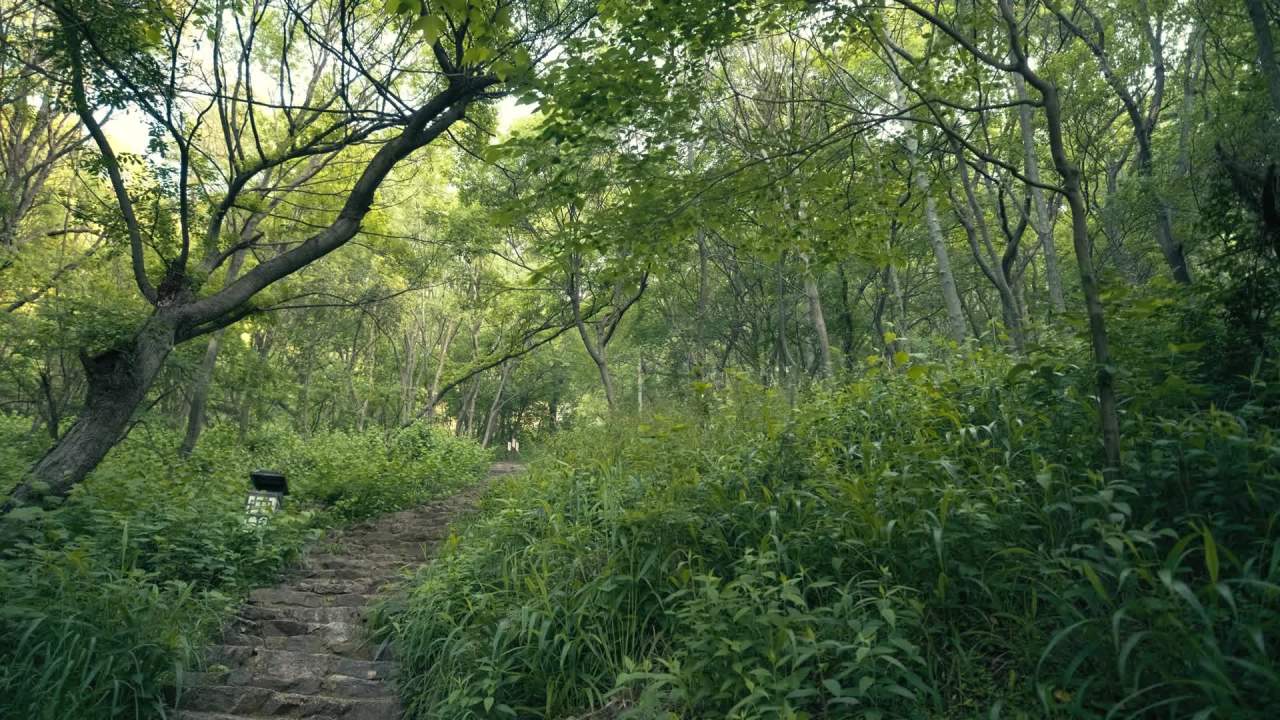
[(299, 649)]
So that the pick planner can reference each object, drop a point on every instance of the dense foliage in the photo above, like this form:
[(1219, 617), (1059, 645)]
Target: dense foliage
[(109, 596), (925, 541)]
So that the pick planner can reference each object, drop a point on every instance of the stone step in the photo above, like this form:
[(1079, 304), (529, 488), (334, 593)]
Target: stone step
[(405, 551), (368, 560), (378, 575), (333, 587), (199, 715), (333, 685), (347, 615), (265, 702), (406, 536), (288, 627), (350, 644), (301, 598), (291, 664)]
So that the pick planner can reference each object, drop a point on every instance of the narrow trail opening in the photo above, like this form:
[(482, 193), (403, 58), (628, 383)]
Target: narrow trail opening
[(299, 649)]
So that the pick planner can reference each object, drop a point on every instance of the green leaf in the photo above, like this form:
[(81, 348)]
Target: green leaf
[(431, 26), (455, 8), (1095, 581), (476, 54), (503, 69), (494, 153), (1210, 555)]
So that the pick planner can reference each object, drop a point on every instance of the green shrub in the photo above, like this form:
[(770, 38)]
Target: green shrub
[(359, 475), (19, 447), (108, 595)]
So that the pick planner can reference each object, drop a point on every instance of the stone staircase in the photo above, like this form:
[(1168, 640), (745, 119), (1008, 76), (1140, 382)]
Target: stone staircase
[(298, 650)]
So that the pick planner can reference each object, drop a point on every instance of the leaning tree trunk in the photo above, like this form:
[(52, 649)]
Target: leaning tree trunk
[(118, 380)]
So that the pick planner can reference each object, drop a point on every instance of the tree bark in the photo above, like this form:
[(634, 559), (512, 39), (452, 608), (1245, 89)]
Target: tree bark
[(204, 375), (467, 412), (847, 340), (1143, 124), (54, 416), (817, 319), (781, 351), (1041, 220), (1270, 65), (946, 279), (118, 380), (978, 234), (937, 241), (433, 393), (496, 405), (1107, 411)]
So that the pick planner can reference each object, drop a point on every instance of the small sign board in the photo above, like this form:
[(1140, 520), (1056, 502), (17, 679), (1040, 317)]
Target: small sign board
[(267, 495)]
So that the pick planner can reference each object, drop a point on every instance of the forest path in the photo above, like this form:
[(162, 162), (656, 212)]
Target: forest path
[(298, 650)]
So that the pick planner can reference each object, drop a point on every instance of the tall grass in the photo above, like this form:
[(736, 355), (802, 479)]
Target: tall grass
[(929, 543)]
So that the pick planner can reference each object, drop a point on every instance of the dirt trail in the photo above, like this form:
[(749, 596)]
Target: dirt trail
[(298, 650)]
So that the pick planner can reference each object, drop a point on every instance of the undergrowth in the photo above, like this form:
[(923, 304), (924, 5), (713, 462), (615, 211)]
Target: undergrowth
[(928, 541), (106, 597)]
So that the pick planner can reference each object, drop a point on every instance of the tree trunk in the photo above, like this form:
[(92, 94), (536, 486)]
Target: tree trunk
[(200, 395), (898, 307), (1083, 245), (1174, 254), (1042, 223), (781, 351), (816, 318), (640, 386), (847, 340), (118, 381), (703, 296), (955, 313), (1258, 16), (204, 375), (597, 350), (601, 359), (496, 405), (409, 376), (978, 234), (53, 418), (451, 329), (1191, 75), (937, 241)]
